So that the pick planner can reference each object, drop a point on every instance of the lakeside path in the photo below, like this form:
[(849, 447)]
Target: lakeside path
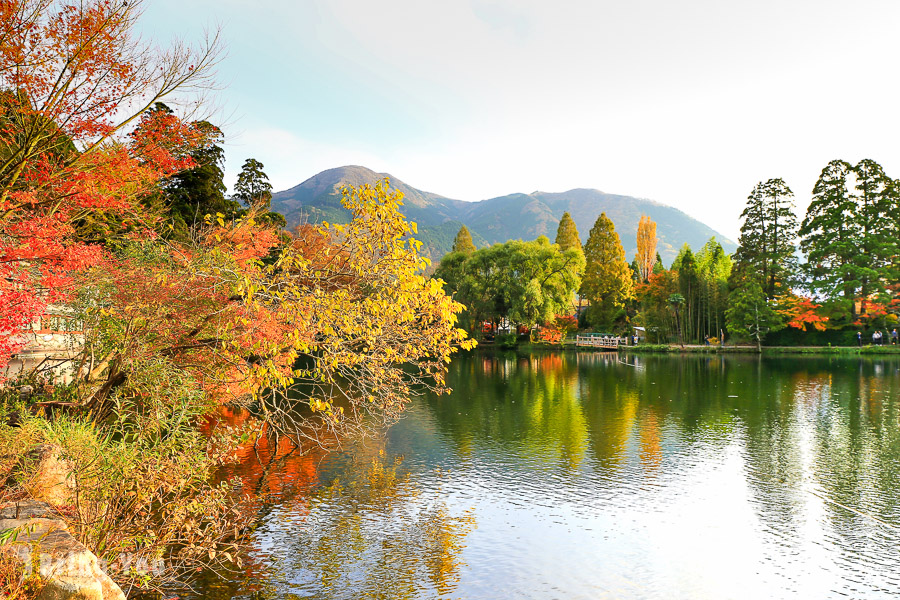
[(728, 349)]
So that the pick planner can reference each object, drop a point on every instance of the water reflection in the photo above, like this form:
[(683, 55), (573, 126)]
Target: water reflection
[(592, 475)]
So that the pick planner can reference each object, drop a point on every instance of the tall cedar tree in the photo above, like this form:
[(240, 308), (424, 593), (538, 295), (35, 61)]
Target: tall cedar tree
[(769, 235), (253, 187), (607, 281), (463, 242), (689, 287), (646, 246), (255, 192), (567, 234), (875, 215), (830, 236)]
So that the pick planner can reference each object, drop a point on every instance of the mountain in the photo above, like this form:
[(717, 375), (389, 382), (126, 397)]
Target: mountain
[(516, 216)]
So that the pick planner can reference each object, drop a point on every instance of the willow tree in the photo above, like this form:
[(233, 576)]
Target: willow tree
[(646, 246), (607, 284), (463, 241), (567, 234), (527, 282)]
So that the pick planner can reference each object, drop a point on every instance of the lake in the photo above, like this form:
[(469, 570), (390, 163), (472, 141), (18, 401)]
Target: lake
[(595, 475)]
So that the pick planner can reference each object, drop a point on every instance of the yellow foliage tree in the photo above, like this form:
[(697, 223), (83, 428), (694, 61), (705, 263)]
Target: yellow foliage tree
[(607, 282), (646, 246), (364, 329)]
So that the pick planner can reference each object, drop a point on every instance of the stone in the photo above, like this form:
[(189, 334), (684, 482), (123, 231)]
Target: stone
[(42, 541), (51, 477)]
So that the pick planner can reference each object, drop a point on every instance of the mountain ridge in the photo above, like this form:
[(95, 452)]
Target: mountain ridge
[(498, 219)]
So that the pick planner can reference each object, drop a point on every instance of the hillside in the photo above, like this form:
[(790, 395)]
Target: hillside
[(516, 216)]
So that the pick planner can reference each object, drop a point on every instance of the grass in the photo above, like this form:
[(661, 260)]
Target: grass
[(14, 585), (842, 350)]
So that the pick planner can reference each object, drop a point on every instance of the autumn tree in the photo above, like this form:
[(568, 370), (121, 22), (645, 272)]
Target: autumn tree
[(463, 241), (646, 246), (654, 310), (607, 283), (567, 234), (74, 80)]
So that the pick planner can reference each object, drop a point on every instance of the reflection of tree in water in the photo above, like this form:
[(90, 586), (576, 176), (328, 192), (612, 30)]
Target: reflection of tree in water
[(857, 455), (373, 535), (825, 433), (526, 403)]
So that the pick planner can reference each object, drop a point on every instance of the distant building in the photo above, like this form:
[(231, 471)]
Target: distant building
[(51, 344)]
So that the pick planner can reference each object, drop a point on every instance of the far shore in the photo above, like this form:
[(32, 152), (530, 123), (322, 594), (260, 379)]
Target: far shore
[(569, 344)]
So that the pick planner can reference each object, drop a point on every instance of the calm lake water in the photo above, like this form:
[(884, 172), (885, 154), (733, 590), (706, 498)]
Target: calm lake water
[(590, 475)]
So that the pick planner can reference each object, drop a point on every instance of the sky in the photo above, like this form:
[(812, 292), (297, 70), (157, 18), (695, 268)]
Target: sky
[(686, 103)]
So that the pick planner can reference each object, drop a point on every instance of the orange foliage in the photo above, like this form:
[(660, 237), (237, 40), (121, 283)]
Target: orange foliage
[(799, 312)]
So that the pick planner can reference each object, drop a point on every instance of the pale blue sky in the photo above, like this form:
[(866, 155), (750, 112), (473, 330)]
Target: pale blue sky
[(687, 103)]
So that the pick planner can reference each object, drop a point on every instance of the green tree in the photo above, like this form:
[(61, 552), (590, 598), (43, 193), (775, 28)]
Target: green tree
[(200, 191), (830, 237), (676, 303), (658, 266), (463, 242), (567, 234), (255, 192), (768, 237), (527, 282), (713, 271), (689, 288), (607, 284), (749, 313), (875, 214), (253, 187)]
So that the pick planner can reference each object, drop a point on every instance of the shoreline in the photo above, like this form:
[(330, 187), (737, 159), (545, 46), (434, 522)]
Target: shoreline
[(867, 350)]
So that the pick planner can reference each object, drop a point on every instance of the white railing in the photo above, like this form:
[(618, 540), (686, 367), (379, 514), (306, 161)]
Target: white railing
[(596, 341)]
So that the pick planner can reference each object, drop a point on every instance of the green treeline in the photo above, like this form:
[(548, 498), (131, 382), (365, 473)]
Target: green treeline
[(826, 276)]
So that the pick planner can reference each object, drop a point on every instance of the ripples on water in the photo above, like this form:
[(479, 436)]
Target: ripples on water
[(583, 475)]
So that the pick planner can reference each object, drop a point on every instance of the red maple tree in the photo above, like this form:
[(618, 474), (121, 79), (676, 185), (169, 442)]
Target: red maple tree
[(76, 139)]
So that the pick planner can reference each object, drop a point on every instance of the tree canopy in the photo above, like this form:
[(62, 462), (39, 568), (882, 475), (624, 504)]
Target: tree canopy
[(567, 234), (607, 281), (527, 282), (463, 241), (646, 246)]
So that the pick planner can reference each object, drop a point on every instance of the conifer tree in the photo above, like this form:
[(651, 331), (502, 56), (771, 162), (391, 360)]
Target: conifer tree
[(607, 280), (874, 217), (463, 242), (646, 246), (658, 266), (769, 235), (830, 236), (567, 233), (253, 187)]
